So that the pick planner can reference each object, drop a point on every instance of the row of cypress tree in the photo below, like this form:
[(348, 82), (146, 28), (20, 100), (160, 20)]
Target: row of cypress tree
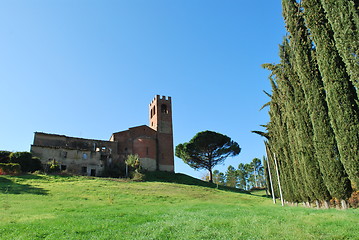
[(314, 109)]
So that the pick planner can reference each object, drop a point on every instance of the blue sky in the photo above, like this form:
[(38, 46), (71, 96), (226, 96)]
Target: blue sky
[(89, 68)]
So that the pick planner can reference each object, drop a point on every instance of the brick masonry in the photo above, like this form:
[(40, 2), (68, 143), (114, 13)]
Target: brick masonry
[(153, 144)]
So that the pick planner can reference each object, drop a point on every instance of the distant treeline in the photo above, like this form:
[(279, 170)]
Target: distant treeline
[(314, 108), (247, 176)]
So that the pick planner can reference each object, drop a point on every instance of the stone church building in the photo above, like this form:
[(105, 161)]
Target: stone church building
[(153, 144)]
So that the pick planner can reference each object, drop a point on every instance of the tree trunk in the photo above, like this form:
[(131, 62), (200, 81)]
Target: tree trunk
[(210, 176), (280, 188), (270, 176), (255, 177), (317, 204), (344, 204)]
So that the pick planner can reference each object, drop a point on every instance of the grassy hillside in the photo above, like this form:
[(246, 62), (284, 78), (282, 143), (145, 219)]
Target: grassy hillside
[(185, 179), (58, 207)]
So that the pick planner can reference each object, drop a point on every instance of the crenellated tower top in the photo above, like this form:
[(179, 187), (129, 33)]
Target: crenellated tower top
[(160, 114)]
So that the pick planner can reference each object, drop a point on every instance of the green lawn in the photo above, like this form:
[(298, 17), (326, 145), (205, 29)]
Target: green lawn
[(58, 207)]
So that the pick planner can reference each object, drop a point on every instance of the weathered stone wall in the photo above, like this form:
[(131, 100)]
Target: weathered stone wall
[(54, 140), (166, 168), (77, 155), (148, 164), (73, 160)]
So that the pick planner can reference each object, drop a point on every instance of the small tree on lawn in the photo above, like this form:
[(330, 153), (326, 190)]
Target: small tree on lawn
[(207, 149), (133, 160)]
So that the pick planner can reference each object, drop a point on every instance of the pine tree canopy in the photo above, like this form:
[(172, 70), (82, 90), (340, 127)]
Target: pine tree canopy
[(207, 149)]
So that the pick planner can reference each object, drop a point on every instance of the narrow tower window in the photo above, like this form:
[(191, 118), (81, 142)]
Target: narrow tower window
[(164, 108), (153, 111)]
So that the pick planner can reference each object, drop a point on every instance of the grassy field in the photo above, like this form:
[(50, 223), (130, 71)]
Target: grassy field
[(59, 207)]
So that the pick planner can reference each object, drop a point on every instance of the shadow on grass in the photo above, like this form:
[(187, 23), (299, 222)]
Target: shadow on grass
[(28, 176), (48, 177), (260, 193), (180, 178), (8, 186)]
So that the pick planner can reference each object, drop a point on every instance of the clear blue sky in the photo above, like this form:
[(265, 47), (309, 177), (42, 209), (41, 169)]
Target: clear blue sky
[(89, 68)]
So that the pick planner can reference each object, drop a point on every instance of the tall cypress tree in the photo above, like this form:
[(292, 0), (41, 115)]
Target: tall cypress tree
[(303, 130), (332, 170), (283, 143), (341, 15), (354, 8), (277, 135), (340, 93)]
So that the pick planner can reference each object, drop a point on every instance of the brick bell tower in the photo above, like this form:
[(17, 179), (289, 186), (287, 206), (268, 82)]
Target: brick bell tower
[(160, 113)]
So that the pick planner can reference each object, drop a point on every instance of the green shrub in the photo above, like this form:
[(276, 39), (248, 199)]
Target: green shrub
[(27, 162), (10, 168), (35, 164), (4, 156), (114, 170), (137, 176), (52, 166)]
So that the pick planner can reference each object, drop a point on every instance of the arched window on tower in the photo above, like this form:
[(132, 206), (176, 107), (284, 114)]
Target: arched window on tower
[(164, 108)]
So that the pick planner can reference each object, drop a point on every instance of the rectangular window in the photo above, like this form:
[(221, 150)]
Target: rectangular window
[(84, 170), (63, 167)]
